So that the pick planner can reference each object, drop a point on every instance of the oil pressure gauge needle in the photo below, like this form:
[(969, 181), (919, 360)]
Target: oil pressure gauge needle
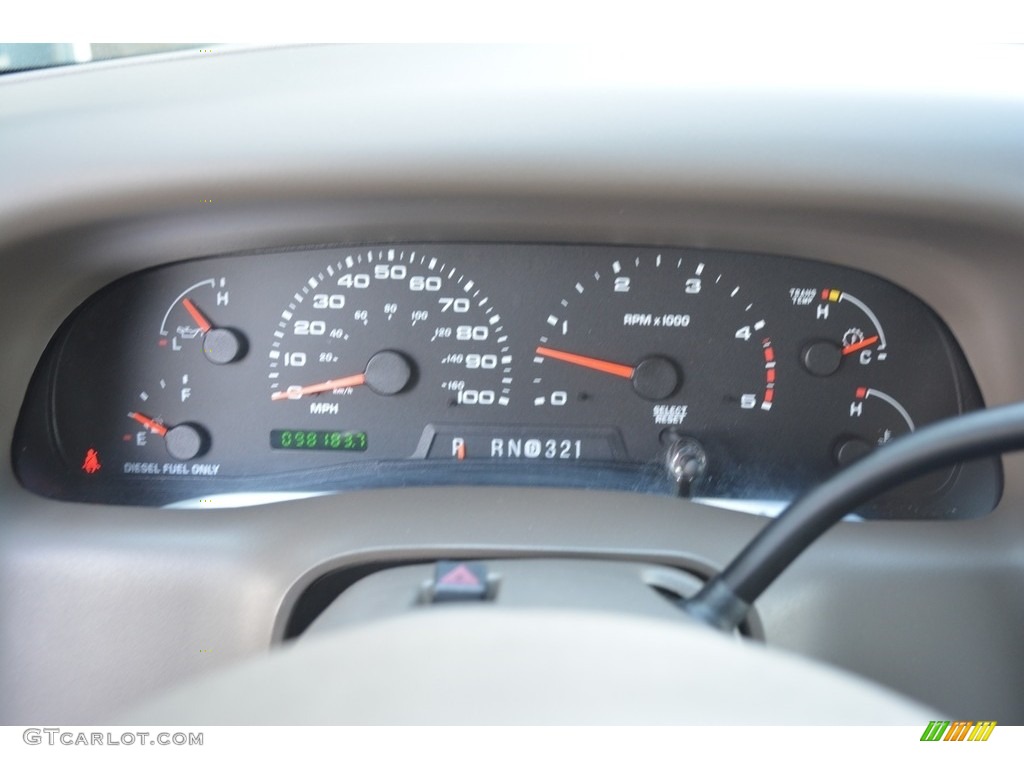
[(220, 345), (204, 324), (387, 373)]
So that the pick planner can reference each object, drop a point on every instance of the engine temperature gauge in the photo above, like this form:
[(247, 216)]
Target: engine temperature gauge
[(877, 418)]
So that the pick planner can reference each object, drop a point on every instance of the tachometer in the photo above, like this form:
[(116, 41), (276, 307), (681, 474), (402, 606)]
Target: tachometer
[(660, 347)]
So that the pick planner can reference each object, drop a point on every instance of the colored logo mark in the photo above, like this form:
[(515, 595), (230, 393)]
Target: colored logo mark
[(959, 730)]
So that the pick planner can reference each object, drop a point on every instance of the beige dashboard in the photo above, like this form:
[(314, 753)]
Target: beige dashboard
[(915, 177)]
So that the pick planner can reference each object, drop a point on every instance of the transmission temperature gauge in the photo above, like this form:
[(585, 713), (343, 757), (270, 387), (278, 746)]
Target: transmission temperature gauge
[(853, 334)]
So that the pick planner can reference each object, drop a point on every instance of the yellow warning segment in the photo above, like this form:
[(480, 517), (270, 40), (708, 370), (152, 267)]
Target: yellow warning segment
[(982, 730)]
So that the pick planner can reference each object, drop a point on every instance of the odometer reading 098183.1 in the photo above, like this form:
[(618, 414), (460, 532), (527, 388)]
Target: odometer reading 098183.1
[(317, 440)]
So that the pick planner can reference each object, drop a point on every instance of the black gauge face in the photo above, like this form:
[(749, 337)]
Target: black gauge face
[(848, 332), (653, 346), (739, 379), (388, 330), (139, 371)]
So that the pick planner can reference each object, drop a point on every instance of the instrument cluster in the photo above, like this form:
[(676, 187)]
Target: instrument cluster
[(738, 379)]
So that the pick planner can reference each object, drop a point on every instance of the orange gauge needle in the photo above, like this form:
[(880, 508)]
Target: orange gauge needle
[(615, 369), (153, 426), (387, 373), (295, 392), (849, 350), (199, 317)]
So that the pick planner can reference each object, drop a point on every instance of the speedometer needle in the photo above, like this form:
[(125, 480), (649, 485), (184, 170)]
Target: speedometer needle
[(293, 393), (387, 373), (851, 348), (615, 369)]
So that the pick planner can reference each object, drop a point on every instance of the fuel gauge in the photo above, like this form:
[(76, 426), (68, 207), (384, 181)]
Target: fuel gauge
[(183, 440)]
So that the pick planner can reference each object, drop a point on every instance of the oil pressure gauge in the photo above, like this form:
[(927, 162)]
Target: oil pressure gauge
[(185, 323)]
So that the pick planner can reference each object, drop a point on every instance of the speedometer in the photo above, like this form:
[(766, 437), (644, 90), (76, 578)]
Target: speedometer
[(385, 323)]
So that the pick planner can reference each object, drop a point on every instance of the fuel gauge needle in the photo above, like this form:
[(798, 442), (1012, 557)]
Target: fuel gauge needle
[(153, 426), (184, 442), (615, 369)]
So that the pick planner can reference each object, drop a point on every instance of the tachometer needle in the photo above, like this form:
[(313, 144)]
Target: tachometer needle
[(295, 392), (153, 426), (615, 369), (204, 324), (851, 348)]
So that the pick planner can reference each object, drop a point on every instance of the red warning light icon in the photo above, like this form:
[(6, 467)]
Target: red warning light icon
[(460, 576), (92, 461)]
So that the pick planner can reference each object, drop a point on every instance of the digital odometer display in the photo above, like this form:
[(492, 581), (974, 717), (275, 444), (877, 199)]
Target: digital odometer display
[(317, 440)]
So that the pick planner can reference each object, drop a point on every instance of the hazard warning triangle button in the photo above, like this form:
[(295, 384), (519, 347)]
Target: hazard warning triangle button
[(459, 580)]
